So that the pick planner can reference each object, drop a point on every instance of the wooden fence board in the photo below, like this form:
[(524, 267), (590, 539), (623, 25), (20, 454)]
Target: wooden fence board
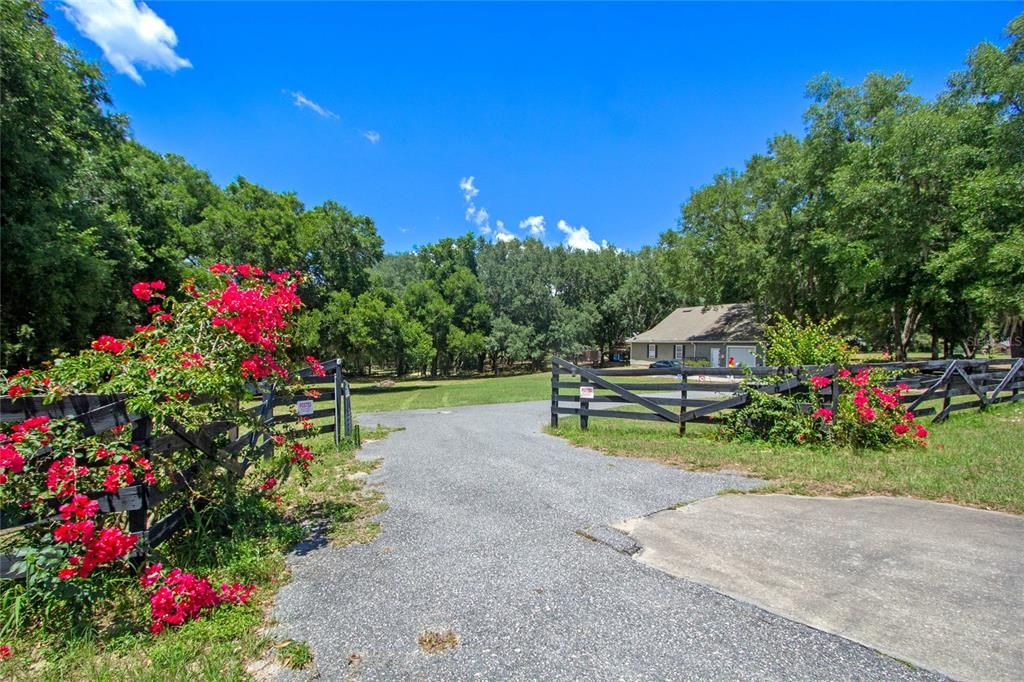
[(985, 380), (317, 414), (326, 395), (644, 416), (655, 399), (99, 413), (639, 400)]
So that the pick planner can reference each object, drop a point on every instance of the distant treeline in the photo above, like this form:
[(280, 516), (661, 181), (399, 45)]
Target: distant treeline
[(903, 217)]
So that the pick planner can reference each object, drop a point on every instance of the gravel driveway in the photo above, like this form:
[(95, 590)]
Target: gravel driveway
[(483, 537)]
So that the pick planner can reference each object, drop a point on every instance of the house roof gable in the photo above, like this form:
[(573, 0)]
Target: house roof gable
[(724, 322)]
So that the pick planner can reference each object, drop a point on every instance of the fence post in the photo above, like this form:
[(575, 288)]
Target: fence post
[(947, 396), (835, 389), (682, 397), (337, 403), (138, 519), (554, 394), (266, 412), (349, 428), (584, 406)]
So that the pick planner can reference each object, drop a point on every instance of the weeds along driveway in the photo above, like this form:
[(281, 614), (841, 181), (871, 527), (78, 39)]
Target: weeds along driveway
[(482, 537)]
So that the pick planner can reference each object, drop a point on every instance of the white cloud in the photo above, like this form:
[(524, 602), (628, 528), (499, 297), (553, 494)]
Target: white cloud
[(468, 190), (535, 223), (128, 33), (372, 135), (482, 217), (578, 238), (503, 235), (304, 102)]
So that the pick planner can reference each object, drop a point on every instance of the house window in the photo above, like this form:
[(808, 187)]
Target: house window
[(678, 352), (652, 351)]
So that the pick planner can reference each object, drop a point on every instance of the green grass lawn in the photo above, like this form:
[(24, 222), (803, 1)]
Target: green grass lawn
[(247, 543), (414, 394), (974, 459)]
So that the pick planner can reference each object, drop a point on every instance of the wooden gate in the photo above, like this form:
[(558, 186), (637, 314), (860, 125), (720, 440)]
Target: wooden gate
[(936, 388), (668, 395)]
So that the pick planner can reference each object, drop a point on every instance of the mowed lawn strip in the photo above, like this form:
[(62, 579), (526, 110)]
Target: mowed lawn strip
[(415, 394), (974, 459)]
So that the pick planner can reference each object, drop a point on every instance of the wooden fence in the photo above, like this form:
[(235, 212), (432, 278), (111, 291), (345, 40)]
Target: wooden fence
[(220, 443), (668, 395)]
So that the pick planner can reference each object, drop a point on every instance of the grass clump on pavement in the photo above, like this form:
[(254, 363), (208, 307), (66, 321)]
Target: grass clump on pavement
[(246, 541), (974, 459), (295, 655), (437, 641)]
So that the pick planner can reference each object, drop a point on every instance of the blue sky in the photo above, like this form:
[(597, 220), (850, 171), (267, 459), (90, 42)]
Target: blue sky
[(604, 116)]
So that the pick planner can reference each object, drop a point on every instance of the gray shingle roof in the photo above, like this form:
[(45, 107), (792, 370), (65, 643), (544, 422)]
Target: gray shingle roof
[(724, 322)]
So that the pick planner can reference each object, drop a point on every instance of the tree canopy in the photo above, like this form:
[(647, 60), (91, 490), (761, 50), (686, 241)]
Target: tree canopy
[(902, 219)]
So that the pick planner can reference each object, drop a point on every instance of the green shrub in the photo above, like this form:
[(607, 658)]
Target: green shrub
[(789, 343), (867, 414), (769, 418)]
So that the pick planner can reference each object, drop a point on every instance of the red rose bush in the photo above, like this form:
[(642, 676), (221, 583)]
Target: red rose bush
[(868, 413)]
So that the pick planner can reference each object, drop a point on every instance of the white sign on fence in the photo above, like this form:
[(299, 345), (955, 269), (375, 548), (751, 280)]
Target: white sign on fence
[(305, 407), (587, 392)]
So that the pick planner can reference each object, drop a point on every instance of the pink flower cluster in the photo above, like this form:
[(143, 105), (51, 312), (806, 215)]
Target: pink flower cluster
[(144, 290), (108, 344), (109, 545), (179, 597), (255, 313), (257, 367), (11, 461), (301, 455), (873, 404), (315, 366)]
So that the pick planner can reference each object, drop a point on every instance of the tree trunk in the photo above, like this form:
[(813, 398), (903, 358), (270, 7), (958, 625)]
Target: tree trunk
[(904, 327), (935, 346)]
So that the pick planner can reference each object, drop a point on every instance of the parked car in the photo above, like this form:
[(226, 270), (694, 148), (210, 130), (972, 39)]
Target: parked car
[(667, 364)]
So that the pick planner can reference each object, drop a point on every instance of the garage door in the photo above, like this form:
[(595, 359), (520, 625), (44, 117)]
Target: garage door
[(743, 356)]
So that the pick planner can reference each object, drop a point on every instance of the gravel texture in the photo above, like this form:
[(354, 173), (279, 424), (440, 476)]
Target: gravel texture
[(491, 533)]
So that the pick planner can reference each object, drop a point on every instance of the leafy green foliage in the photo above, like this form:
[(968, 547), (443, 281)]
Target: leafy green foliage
[(867, 414), (789, 343), (898, 215), (86, 211), (767, 418)]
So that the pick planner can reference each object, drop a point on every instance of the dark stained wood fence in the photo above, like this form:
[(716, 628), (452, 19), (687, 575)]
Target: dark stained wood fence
[(700, 394), (220, 443)]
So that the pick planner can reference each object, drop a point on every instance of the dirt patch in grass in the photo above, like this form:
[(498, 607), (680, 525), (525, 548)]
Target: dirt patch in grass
[(437, 641)]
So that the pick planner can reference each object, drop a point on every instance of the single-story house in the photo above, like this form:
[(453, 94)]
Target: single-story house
[(722, 335)]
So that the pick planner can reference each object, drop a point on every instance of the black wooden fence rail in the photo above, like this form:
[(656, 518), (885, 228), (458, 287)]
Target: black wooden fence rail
[(98, 414), (987, 382)]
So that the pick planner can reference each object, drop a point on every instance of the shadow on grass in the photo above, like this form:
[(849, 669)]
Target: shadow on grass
[(321, 520)]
